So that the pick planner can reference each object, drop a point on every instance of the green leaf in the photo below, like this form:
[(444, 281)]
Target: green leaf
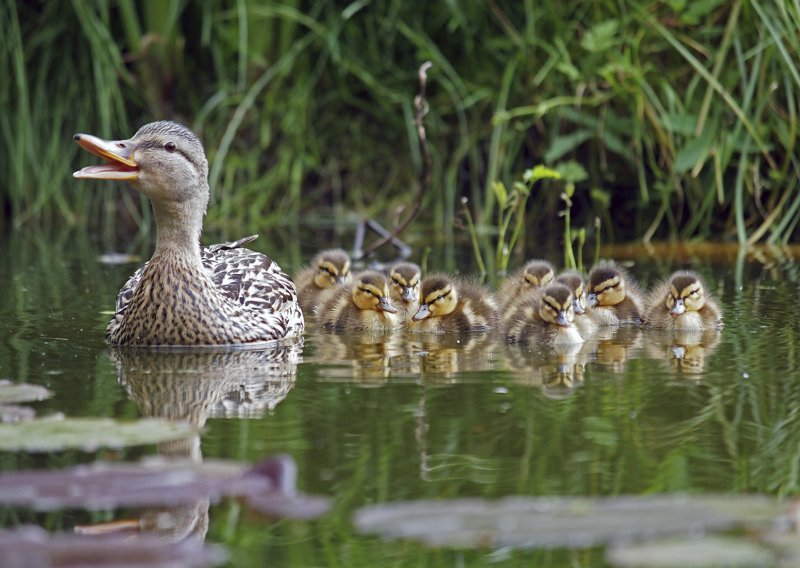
[(531, 176), (500, 193), (693, 151), (563, 144), (572, 171), (601, 37), (89, 434)]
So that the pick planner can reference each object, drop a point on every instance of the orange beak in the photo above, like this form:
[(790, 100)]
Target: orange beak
[(117, 153)]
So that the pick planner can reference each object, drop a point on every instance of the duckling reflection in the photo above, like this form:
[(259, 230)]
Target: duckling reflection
[(557, 370), (612, 347), (684, 352), (192, 386), (447, 356), (368, 358)]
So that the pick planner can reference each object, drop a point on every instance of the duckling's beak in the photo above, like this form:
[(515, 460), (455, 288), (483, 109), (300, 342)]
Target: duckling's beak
[(117, 153), (408, 294), (591, 300), (341, 278), (422, 313), (386, 306), (562, 319), (577, 305), (678, 308)]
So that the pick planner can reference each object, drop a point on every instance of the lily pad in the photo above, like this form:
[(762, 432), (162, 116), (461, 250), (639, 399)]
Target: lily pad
[(523, 522), (32, 546), (89, 434), (12, 392), (708, 552), (268, 487)]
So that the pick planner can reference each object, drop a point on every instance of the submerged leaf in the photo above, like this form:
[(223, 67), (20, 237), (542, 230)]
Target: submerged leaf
[(89, 434), (525, 522), (23, 392)]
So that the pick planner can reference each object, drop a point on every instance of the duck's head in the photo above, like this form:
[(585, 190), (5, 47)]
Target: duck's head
[(685, 294), (404, 282), (331, 267), (371, 292), (606, 287), (438, 298), (574, 282), (556, 305), (537, 273), (164, 160)]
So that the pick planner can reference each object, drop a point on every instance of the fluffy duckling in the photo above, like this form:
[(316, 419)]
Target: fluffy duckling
[(613, 297), (361, 306), (575, 282), (535, 274), (682, 302), (449, 305), (546, 316), (405, 279), (327, 270)]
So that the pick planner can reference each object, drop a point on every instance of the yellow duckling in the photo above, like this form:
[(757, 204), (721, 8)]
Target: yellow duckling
[(613, 297), (576, 283), (405, 279), (545, 316), (327, 270), (535, 274), (449, 305), (682, 302), (361, 306)]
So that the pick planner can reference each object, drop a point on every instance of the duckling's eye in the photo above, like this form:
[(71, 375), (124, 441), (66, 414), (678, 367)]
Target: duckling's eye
[(396, 282), (170, 146), (440, 298)]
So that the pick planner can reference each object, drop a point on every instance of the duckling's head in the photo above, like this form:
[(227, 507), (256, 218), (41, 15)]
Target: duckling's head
[(574, 282), (537, 273), (556, 305), (404, 282), (371, 292), (606, 287), (164, 160), (331, 267), (438, 297), (685, 293)]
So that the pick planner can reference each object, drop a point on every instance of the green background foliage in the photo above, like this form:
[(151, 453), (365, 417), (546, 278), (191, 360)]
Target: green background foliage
[(683, 114)]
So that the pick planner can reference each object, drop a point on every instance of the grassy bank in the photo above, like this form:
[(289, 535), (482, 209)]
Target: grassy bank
[(682, 115)]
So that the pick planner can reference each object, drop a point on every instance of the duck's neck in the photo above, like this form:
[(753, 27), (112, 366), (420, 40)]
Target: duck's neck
[(178, 228)]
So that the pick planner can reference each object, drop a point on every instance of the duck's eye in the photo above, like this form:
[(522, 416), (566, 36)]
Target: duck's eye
[(396, 282), (170, 146)]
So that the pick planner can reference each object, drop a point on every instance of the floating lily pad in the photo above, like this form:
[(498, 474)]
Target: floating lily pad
[(708, 552), (522, 522), (268, 487), (89, 434), (12, 392), (32, 546)]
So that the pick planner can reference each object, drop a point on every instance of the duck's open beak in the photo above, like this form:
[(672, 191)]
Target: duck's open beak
[(117, 153)]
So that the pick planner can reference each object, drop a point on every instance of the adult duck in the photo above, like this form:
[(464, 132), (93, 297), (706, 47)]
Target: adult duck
[(186, 294)]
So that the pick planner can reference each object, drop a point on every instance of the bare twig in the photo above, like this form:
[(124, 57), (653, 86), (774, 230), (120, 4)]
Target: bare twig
[(421, 109)]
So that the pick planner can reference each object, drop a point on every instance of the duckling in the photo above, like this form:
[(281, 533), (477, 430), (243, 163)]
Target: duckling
[(682, 302), (405, 279), (185, 295), (535, 274), (360, 306), (613, 297), (450, 305), (328, 269), (545, 316), (575, 282)]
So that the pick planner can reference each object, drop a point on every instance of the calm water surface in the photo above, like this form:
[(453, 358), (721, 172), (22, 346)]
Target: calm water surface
[(372, 419)]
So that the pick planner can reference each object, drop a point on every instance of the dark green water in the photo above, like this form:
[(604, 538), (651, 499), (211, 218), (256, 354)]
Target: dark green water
[(372, 421)]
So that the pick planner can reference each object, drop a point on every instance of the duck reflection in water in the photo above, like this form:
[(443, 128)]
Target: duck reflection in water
[(369, 359), (557, 369), (193, 386), (613, 346), (684, 352)]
